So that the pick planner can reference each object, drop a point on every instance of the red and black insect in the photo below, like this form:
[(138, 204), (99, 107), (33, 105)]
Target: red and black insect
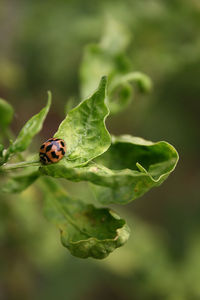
[(52, 151)]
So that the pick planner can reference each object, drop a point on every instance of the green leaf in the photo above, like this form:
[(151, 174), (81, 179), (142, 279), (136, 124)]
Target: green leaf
[(120, 91), (143, 81), (94, 65), (6, 114), (116, 37), (120, 97), (133, 166), (105, 57), (85, 230), (108, 57), (30, 129), (142, 164), (70, 105), (19, 183), (84, 129)]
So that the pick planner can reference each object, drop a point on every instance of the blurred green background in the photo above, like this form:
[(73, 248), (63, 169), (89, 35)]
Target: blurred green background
[(41, 48)]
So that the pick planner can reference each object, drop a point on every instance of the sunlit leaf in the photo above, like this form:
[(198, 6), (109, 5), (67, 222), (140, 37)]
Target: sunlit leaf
[(85, 230), (84, 129)]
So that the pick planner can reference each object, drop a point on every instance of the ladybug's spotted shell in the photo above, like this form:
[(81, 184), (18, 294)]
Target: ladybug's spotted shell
[(52, 151)]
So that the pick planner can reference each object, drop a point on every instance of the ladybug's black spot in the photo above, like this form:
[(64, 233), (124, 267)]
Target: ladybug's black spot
[(62, 143), (49, 160), (53, 154), (48, 148), (56, 139), (42, 147), (44, 158), (62, 150)]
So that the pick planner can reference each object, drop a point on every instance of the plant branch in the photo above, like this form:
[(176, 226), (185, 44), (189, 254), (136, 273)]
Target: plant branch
[(23, 164)]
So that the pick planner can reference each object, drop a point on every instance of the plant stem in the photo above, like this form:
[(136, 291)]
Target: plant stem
[(22, 164)]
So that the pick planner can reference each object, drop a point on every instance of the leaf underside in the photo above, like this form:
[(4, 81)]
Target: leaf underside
[(18, 183), (85, 230)]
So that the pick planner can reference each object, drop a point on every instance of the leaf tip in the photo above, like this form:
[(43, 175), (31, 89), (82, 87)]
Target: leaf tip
[(145, 83), (103, 82), (49, 94)]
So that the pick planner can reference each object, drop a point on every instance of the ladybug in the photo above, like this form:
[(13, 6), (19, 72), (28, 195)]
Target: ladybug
[(52, 151)]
